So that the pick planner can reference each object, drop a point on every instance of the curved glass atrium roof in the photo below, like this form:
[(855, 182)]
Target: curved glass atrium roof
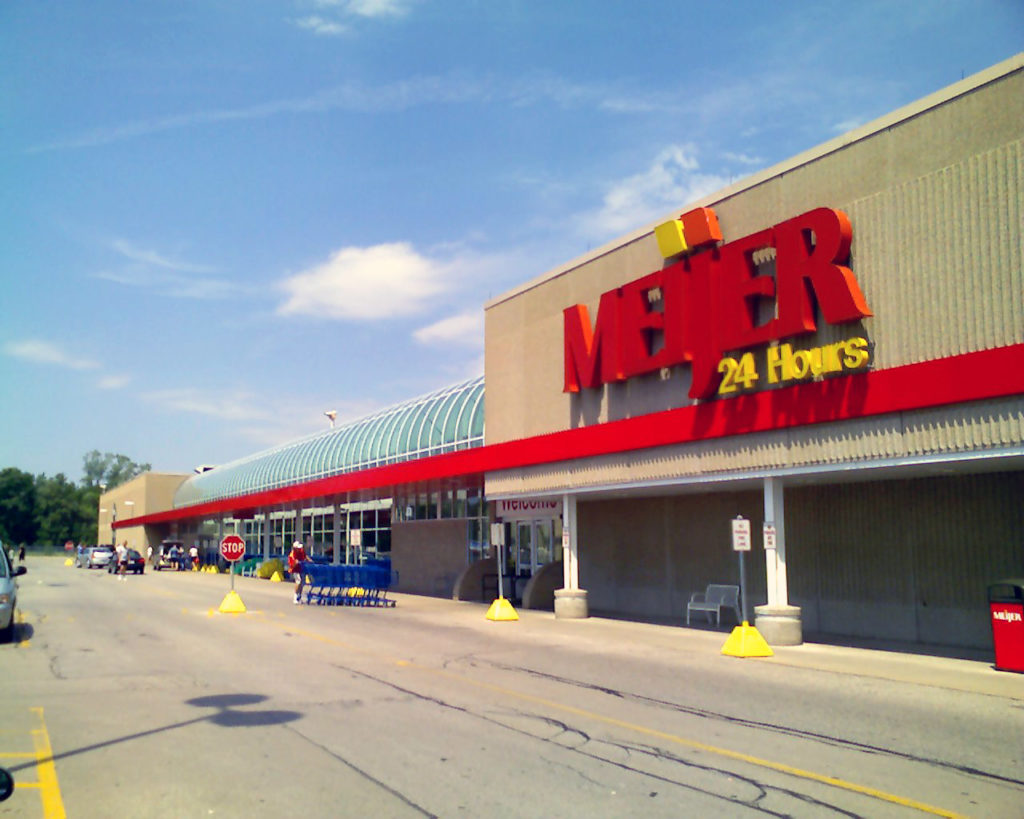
[(444, 421)]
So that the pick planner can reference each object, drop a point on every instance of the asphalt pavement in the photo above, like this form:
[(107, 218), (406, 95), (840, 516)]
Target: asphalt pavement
[(895, 662), (539, 716)]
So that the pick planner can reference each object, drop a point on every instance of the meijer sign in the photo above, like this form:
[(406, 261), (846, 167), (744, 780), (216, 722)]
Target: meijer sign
[(709, 303)]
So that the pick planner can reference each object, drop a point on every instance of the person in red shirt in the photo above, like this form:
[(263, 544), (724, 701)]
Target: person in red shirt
[(295, 559)]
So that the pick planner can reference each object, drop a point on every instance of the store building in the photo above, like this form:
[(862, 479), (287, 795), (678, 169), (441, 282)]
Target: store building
[(833, 347)]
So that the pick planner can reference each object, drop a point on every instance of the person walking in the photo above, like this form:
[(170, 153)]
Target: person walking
[(122, 561), (21, 553), (296, 557)]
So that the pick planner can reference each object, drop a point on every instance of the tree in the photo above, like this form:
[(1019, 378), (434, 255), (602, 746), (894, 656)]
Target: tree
[(58, 509), (109, 469), (17, 506)]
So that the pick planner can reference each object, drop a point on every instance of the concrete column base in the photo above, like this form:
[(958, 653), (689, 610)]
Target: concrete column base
[(571, 604), (779, 625)]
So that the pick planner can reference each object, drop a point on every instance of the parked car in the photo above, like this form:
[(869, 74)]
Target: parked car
[(100, 557), (134, 563), (8, 594), (82, 557)]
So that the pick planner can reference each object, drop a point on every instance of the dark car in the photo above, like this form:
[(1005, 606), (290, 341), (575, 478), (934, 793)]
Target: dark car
[(171, 556), (133, 562)]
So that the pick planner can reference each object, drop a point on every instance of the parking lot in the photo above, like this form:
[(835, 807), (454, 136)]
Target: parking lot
[(154, 704)]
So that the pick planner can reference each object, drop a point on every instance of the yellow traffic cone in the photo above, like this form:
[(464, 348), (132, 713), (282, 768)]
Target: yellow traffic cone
[(232, 604), (502, 610), (746, 641)]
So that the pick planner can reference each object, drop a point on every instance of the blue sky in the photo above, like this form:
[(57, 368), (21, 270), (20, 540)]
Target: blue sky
[(220, 218)]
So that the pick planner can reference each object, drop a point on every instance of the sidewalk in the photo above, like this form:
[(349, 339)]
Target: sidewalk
[(889, 662)]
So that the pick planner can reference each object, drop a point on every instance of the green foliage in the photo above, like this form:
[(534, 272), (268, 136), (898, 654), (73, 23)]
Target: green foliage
[(109, 469), (17, 506), (43, 510), (57, 509)]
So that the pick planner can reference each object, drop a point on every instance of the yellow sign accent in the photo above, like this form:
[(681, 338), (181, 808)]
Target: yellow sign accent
[(671, 241), (276, 577), (746, 641), (232, 604), (69, 562), (501, 609)]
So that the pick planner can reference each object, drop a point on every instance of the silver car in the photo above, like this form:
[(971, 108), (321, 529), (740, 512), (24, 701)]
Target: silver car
[(99, 557), (8, 594)]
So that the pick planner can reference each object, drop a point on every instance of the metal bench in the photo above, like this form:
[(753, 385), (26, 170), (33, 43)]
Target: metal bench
[(712, 600)]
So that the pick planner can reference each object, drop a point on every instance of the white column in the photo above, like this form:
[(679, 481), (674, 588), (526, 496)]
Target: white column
[(775, 559), (267, 528), (336, 542), (297, 532), (570, 545)]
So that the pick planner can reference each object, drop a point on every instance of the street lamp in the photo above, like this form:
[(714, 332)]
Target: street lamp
[(129, 503)]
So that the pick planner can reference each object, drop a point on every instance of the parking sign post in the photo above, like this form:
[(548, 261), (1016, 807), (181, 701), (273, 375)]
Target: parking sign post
[(745, 640), (232, 549)]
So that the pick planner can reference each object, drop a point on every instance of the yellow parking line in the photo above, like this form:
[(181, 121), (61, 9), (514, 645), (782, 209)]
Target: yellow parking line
[(23, 643), (49, 788), (780, 767)]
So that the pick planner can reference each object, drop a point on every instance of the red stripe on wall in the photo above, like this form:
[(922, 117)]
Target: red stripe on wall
[(958, 379)]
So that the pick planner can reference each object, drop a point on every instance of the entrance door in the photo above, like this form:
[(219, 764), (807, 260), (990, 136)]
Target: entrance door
[(533, 545)]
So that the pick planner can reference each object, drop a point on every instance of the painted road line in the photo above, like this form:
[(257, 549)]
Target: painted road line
[(49, 788), (768, 764)]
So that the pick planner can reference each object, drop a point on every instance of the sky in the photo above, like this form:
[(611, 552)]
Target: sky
[(221, 218)]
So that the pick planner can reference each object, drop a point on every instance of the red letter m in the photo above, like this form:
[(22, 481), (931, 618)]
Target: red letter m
[(592, 356)]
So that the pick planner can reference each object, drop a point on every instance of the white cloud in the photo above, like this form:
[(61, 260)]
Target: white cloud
[(237, 406), (380, 8), (152, 270), (671, 181), (250, 416), (318, 25), (332, 22), (847, 125), (46, 352), (155, 259), (381, 281), (113, 382), (455, 88), (742, 159), (465, 329)]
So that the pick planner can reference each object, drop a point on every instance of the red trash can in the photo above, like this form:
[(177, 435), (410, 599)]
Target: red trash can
[(1006, 608)]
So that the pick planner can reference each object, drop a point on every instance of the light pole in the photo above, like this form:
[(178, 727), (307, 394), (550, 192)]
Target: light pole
[(129, 503), (103, 489)]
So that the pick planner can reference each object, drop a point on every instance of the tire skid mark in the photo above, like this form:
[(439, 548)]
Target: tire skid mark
[(745, 722), (762, 790)]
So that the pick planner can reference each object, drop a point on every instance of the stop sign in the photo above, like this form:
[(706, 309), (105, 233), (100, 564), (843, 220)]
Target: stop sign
[(232, 548)]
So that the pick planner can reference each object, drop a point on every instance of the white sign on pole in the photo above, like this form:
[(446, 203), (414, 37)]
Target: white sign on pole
[(355, 538), (741, 535), (497, 534), (769, 535)]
